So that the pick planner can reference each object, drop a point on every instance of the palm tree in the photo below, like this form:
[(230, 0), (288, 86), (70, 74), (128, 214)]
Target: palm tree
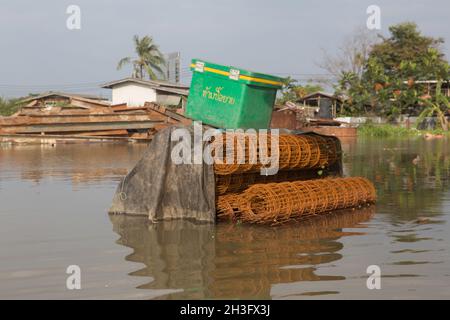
[(149, 59)]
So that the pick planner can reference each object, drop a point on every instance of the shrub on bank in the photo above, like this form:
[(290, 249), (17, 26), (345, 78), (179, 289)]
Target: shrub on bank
[(388, 130), (9, 106)]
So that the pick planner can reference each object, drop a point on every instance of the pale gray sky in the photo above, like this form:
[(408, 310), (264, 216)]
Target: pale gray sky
[(282, 37)]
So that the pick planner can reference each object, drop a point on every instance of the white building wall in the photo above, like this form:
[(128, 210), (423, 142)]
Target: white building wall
[(133, 94)]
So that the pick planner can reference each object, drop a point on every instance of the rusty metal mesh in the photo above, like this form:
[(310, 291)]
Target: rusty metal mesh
[(234, 183), (237, 153), (277, 202), (227, 207)]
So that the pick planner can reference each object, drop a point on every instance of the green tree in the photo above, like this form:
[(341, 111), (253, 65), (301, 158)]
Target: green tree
[(438, 106), (9, 106), (148, 61), (355, 94), (407, 45), (292, 91), (389, 84)]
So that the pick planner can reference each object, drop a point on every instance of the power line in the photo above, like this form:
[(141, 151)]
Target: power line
[(185, 73), (65, 85)]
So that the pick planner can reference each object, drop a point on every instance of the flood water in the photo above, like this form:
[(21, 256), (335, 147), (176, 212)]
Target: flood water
[(53, 214)]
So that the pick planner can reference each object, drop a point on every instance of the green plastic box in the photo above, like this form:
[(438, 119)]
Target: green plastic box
[(231, 98)]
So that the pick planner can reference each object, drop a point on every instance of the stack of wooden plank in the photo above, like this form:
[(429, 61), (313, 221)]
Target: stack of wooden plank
[(88, 118)]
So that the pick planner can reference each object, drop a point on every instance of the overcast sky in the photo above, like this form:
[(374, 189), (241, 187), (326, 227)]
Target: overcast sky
[(282, 37)]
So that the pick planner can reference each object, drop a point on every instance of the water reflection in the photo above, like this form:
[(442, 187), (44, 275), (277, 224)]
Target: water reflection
[(45, 224), (73, 162), (234, 261), (412, 176)]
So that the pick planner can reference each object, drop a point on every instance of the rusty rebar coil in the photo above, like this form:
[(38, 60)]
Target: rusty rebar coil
[(234, 183), (245, 152), (227, 207), (275, 202)]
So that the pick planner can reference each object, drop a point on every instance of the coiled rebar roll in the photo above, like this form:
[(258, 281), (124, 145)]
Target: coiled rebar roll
[(233, 183), (277, 202), (243, 153)]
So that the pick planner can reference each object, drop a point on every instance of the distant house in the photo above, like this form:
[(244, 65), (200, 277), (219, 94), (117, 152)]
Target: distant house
[(135, 92), (62, 100), (430, 87), (327, 104)]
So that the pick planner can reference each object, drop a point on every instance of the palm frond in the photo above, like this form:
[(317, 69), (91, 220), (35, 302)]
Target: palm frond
[(150, 72), (123, 62), (149, 58), (156, 67)]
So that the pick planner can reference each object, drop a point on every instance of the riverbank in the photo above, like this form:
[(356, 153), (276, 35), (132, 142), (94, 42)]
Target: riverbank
[(389, 130)]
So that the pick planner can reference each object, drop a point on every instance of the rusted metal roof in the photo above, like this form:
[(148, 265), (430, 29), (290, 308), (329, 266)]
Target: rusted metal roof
[(65, 95), (317, 94)]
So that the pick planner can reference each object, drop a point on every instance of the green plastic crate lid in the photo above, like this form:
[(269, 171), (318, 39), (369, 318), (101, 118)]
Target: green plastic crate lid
[(237, 74)]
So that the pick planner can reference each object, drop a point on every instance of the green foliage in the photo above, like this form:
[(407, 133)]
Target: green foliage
[(438, 105), (63, 104), (9, 106), (407, 51), (389, 83), (385, 130), (149, 60), (351, 86), (292, 91), (393, 131)]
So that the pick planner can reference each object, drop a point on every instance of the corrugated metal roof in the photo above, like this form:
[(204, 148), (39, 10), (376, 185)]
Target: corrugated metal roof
[(319, 93), (183, 92), (151, 83), (65, 95)]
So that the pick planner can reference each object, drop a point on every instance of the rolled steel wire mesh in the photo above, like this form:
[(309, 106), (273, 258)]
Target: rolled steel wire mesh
[(246, 152), (275, 202), (227, 207), (234, 183)]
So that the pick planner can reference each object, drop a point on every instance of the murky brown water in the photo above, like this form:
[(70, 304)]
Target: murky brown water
[(53, 203)]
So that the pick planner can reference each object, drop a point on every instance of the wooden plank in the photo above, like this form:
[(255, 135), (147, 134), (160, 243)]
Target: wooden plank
[(75, 127), (124, 104), (37, 138), (102, 133), (155, 109), (88, 103), (118, 108), (76, 118)]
